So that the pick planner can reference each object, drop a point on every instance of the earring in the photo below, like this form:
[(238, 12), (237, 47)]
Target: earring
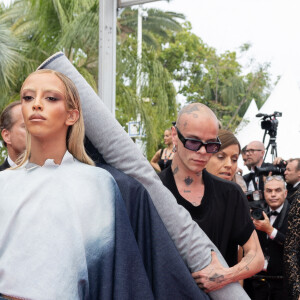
[(174, 148)]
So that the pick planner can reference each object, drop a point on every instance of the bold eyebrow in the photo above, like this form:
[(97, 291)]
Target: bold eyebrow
[(44, 91)]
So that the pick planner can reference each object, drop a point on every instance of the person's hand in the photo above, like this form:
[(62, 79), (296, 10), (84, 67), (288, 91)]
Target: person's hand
[(213, 277), (263, 225), (277, 160)]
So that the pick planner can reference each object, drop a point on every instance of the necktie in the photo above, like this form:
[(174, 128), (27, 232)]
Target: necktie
[(273, 213)]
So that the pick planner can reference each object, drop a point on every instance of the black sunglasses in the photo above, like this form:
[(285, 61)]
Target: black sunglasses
[(195, 145)]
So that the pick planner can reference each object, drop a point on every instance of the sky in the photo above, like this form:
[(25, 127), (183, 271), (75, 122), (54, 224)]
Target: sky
[(270, 26)]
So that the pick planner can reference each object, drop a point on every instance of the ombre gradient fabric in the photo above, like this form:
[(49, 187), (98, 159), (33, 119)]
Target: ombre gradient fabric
[(65, 234), (118, 150)]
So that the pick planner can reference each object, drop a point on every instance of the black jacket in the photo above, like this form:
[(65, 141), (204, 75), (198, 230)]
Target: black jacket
[(248, 177), (274, 248), (5, 165), (292, 192)]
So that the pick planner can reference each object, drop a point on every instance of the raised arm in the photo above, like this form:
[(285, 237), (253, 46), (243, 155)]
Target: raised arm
[(118, 150)]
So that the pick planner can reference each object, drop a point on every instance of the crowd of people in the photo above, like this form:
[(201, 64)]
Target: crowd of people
[(74, 225)]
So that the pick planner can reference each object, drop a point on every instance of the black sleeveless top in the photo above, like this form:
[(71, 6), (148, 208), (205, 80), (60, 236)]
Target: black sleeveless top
[(164, 162)]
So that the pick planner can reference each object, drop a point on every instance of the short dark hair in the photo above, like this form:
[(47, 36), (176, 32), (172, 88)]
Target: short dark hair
[(244, 149), (6, 120), (227, 139), (298, 160)]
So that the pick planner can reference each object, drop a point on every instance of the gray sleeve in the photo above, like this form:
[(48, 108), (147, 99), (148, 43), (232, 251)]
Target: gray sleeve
[(118, 150)]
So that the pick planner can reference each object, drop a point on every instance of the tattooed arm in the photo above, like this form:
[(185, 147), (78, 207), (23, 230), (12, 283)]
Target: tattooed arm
[(215, 276)]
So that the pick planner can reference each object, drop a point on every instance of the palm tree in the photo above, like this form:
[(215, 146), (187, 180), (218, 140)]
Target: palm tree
[(71, 26), (10, 58), (157, 24)]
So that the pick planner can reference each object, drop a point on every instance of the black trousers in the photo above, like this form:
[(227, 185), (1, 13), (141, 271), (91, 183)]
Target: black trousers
[(266, 289)]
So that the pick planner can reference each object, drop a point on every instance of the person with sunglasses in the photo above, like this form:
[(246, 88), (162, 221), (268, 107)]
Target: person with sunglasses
[(269, 284), (219, 207)]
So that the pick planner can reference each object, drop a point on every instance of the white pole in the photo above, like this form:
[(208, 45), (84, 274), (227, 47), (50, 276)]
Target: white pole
[(139, 53), (107, 53)]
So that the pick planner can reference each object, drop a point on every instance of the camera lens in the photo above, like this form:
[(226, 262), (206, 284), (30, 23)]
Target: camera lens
[(257, 214)]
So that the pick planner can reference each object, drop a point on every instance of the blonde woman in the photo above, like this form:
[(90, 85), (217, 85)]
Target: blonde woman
[(58, 220)]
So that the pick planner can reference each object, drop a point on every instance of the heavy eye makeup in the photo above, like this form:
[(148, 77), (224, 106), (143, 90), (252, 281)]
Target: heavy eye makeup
[(50, 96)]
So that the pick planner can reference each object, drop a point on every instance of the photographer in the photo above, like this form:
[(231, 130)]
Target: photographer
[(291, 174), (255, 155), (269, 284)]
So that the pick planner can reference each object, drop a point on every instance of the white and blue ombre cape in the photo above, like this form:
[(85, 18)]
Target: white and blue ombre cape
[(58, 234)]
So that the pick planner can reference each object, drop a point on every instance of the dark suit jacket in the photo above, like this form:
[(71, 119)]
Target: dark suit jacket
[(5, 165), (292, 192), (248, 178), (274, 248)]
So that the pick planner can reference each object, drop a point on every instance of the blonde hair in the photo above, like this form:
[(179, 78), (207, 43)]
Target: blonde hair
[(76, 133)]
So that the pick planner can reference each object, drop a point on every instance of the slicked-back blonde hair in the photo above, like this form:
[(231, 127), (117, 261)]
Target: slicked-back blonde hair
[(75, 134)]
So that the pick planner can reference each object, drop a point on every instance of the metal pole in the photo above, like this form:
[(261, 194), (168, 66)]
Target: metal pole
[(107, 53), (139, 53)]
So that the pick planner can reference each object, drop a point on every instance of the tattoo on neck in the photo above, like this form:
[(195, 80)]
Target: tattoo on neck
[(186, 191), (198, 174), (188, 180), (175, 170)]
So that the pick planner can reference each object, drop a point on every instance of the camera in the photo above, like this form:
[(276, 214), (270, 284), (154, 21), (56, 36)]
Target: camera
[(257, 213), (275, 169), (269, 122), (256, 204)]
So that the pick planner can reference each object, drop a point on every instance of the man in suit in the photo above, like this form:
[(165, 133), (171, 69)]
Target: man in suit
[(13, 133), (269, 284), (255, 155), (292, 178)]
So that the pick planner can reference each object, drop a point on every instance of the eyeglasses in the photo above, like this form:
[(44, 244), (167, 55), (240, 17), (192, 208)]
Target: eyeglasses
[(195, 145), (276, 177), (252, 150)]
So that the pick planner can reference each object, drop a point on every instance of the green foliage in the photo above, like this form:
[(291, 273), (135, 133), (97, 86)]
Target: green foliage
[(32, 30), (214, 79)]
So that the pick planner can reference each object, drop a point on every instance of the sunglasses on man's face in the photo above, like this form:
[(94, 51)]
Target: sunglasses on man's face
[(195, 145)]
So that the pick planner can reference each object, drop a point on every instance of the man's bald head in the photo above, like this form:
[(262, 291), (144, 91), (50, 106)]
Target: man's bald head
[(255, 153), (256, 145), (195, 122), (195, 110)]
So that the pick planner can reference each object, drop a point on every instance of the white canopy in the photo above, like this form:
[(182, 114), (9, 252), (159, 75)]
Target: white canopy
[(250, 114), (285, 98)]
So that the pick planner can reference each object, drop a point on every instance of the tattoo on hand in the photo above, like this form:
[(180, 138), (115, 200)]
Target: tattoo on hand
[(188, 180), (216, 278), (175, 170)]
